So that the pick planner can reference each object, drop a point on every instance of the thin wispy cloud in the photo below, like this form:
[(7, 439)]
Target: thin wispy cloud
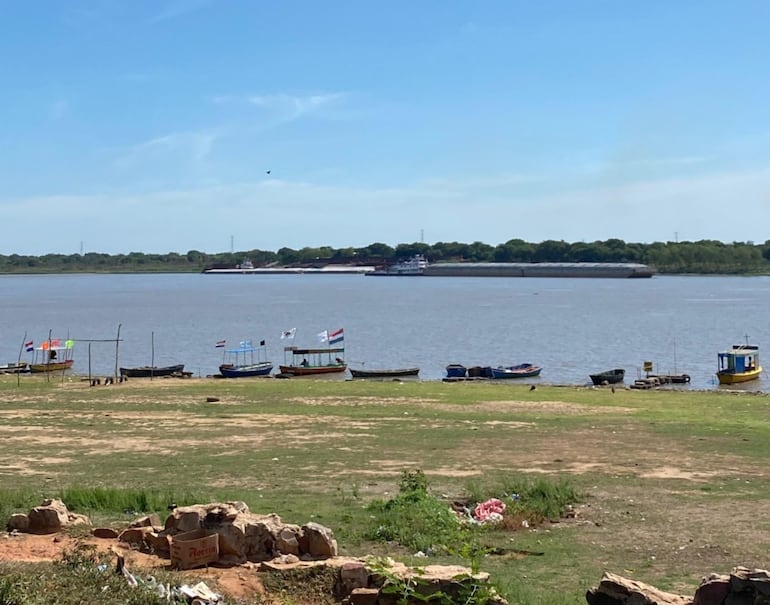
[(321, 212), (195, 145), (282, 108), (672, 161)]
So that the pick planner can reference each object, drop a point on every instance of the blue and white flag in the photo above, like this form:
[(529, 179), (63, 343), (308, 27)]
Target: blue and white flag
[(323, 336), (288, 333)]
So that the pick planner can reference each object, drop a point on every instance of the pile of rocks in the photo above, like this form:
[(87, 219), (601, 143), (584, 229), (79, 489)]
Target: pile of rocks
[(268, 545), (743, 586), (243, 535), (50, 517)]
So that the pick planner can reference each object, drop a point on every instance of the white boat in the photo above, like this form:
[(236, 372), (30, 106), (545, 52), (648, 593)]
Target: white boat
[(412, 266)]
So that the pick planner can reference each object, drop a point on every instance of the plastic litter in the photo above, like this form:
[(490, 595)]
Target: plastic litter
[(490, 511)]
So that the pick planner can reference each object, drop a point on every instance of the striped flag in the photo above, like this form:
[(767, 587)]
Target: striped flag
[(29, 345), (336, 336), (220, 344)]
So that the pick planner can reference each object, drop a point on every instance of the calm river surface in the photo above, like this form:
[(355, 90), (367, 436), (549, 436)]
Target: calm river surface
[(571, 327)]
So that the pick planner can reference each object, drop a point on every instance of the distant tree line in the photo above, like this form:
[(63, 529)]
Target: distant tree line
[(704, 256)]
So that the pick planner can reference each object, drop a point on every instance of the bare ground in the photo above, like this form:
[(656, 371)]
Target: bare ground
[(643, 519)]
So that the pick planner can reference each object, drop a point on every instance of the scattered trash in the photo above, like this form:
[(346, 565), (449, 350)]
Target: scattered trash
[(490, 511), (200, 594)]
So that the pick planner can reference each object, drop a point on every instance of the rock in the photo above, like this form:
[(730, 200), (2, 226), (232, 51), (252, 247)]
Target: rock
[(364, 596), (152, 520), (105, 533), (317, 541), (287, 540), (18, 522), (51, 517), (134, 535), (713, 590), (158, 544), (353, 575), (617, 590)]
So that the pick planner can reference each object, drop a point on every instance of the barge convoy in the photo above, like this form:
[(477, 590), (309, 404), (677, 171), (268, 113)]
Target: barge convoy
[(419, 266)]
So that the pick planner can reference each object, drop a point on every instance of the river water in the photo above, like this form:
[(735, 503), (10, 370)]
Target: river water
[(572, 327)]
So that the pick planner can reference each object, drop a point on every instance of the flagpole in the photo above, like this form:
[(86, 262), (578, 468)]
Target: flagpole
[(18, 361)]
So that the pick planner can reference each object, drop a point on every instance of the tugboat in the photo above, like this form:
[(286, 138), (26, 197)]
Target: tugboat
[(412, 266)]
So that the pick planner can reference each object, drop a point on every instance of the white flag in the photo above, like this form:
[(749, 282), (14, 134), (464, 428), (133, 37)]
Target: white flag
[(323, 336), (288, 333)]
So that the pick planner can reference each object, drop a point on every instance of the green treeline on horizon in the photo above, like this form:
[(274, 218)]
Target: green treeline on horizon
[(704, 256)]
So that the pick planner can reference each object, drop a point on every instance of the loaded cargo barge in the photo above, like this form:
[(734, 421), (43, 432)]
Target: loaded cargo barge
[(623, 270), (420, 267)]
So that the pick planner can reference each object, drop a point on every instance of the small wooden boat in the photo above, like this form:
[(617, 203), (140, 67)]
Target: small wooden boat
[(14, 367), (480, 372), (608, 377), (307, 362), (671, 378), (53, 355), (396, 373), (151, 371), (245, 361), (739, 364), (456, 370), (523, 370)]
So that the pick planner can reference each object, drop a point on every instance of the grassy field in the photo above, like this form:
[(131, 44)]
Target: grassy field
[(672, 484)]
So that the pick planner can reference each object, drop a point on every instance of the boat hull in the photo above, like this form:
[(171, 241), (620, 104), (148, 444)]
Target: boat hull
[(527, 371), (14, 368), (384, 373), (738, 377), (54, 366), (247, 371), (455, 370), (311, 370), (151, 371), (609, 377)]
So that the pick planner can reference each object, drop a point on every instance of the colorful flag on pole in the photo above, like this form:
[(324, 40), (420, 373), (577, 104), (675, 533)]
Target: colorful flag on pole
[(336, 336), (220, 344), (29, 345), (288, 333), (323, 336)]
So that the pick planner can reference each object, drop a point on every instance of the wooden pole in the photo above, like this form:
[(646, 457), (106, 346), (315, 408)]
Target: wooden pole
[(89, 364), (117, 344), (152, 355), (48, 358), (18, 361)]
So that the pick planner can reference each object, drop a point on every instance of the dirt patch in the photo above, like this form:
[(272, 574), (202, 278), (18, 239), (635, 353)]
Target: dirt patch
[(241, 582)]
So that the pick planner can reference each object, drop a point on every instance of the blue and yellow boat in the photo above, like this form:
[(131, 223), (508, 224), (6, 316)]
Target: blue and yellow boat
[(739, 364)]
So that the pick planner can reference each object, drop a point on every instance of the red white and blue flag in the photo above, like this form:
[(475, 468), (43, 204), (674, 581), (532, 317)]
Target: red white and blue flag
[(29, 345), (220, 344), (336, 336)]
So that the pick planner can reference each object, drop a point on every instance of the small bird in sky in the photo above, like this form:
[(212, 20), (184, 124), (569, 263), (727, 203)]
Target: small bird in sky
[(267, 171)]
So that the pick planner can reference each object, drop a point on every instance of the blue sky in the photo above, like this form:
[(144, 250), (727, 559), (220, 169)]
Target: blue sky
[(150, 126)]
